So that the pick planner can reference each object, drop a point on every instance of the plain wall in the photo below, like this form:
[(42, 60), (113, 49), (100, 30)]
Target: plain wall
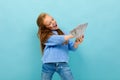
[(97, 58)]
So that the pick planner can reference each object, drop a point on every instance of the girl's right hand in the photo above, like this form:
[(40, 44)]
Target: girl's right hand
[(67, 37)]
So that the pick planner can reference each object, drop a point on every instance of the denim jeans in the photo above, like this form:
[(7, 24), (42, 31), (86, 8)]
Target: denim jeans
[(62, 68)]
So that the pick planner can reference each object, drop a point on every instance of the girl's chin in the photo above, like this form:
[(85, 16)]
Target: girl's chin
[(55, 28)]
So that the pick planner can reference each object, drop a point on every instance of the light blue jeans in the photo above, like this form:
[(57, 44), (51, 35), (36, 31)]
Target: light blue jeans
[(62, 68)]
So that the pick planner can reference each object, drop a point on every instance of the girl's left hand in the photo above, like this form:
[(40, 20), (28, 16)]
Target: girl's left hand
[(78, 41)]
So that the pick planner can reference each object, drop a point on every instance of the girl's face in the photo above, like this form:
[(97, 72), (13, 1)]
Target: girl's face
[(50, 23)]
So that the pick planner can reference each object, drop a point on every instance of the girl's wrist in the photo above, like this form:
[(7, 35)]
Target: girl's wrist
[(67, 37), (71, 36)]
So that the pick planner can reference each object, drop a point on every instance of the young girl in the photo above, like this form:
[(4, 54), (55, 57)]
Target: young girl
[(55, 45)]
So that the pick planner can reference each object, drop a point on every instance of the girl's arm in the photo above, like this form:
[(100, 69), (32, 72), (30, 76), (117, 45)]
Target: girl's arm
[(57, 39)]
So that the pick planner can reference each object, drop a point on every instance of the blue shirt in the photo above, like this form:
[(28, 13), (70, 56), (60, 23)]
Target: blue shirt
[(55, 50)]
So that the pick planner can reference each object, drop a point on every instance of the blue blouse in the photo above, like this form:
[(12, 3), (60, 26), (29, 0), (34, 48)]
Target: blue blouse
[(55, 50)]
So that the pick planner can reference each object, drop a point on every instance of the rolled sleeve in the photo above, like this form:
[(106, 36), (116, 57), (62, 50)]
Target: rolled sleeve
[(55, 40), (71, 45)]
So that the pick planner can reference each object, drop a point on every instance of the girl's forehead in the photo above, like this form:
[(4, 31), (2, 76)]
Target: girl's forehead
[(47, 19)]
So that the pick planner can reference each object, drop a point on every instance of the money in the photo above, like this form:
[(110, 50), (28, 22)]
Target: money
[(79, 30)]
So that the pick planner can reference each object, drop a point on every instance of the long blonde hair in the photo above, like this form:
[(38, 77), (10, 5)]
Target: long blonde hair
[(43, 32)]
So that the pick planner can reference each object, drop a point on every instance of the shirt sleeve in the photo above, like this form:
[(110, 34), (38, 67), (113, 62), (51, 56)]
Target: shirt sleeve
[(71, 45), (55, 40)]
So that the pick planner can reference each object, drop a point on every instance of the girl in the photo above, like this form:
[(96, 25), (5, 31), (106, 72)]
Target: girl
[(55, 45)]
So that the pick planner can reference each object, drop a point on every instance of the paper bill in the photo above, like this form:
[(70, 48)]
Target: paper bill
[(79, 30)]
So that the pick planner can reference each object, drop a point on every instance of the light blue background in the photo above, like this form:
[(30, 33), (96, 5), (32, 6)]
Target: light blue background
[(97, 58)]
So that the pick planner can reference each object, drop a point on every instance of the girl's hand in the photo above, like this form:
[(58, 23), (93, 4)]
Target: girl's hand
[(67, 37), (78, 41)]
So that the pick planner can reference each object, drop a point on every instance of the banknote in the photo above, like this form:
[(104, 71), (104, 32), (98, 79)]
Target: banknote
[(79, 30)]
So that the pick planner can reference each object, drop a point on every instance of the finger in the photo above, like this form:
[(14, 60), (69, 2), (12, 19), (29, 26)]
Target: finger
[(79, 40), (82, 36), (76, 40)]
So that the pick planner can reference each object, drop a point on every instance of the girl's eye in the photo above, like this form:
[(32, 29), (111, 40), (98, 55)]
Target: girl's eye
[(49, 24), (52, 19)]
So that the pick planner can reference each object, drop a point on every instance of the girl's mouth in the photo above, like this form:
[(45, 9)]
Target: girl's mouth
[(55, 25)]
